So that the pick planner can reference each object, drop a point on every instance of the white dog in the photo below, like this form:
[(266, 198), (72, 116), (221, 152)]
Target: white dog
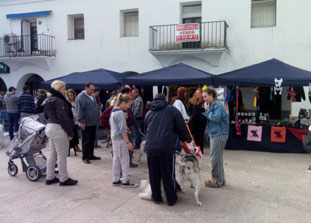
[(188, 170), (141, 150)]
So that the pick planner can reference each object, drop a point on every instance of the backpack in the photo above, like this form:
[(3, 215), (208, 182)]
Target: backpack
[(105, 116)]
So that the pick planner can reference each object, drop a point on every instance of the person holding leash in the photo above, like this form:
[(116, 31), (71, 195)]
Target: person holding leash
[(218, 130), (163, 124)]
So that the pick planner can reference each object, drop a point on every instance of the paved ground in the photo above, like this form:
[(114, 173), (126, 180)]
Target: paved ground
[(261, 187)]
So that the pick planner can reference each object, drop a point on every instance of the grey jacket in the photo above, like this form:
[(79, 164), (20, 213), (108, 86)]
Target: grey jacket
[(118, 124), (87, 110), (11, 102)]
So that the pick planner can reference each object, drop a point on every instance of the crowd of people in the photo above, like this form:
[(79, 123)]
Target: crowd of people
[(162, 124)]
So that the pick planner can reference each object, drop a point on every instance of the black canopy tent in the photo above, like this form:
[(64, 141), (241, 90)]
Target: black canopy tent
[(101, 78), (178, 74), (264, 74)]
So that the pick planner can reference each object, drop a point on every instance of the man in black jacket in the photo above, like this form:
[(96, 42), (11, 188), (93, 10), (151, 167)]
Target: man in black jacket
[(163, 124)]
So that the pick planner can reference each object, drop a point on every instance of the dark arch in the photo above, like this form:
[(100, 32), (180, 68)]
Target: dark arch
[(3, 85), (32, 80), (130, 72)]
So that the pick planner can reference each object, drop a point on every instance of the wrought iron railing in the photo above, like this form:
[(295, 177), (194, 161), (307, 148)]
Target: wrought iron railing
[(212, 35), (27, 45)]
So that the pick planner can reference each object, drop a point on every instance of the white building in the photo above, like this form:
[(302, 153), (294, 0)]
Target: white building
[(44, 39)]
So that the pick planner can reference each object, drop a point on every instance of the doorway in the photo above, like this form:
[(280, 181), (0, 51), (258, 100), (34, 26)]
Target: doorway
[(33, 38), (192, 14), (196, 44)]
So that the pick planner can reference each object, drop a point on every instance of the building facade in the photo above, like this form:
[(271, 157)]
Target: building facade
[(44, 39)]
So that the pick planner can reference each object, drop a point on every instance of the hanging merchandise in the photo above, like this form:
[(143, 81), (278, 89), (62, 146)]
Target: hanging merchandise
[(278, 134), (255, 101), (256, 98), (271, 94), (254, 133), (278, 86), (291, 94), (237, 124), (296, 94)]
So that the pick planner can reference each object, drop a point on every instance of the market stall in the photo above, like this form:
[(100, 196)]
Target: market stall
[(264, 129)]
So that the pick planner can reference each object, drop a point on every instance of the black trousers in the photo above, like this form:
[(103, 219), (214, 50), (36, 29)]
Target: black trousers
[(198, 128), (75, 139), (88, 138), (162, 167)]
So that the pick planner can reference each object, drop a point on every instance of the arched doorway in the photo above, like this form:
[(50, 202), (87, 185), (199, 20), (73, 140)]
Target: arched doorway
[(32, 80)]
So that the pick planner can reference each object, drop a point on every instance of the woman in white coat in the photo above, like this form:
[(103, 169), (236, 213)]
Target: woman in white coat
[(180, 104)]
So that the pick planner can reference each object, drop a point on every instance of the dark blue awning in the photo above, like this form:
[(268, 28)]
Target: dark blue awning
[(178, 74), (103, 79), (27, 14), (264, 74)]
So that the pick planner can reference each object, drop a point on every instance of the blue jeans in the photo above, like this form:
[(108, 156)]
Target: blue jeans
[(137, 134), (13, 123)]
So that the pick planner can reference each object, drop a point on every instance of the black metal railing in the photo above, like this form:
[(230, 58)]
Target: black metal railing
[(27, 45), (212, 35)]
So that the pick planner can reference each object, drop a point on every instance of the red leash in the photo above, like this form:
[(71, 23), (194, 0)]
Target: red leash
[(197, 149)]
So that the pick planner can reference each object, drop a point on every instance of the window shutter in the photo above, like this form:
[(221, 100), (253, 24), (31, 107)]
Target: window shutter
[(263, 13), (131, 24), (191, 11)]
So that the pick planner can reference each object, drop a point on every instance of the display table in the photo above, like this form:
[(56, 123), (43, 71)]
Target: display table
[(235, 142)]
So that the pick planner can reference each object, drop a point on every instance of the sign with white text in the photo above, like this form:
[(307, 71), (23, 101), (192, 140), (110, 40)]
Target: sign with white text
[(189, 32)]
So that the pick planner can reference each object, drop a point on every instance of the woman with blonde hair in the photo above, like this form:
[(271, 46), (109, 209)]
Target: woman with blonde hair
[(120, 142), (218, 130), (198, 120), (59, 130), (74, 143)]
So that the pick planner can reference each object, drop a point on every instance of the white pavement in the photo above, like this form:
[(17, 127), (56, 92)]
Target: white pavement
[(261, 187)]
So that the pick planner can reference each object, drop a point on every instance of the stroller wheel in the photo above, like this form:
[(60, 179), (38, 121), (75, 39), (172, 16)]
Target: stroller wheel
[(12, 169), (33, 173)]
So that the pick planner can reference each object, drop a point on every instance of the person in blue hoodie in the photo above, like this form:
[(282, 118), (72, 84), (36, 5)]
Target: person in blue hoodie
[(218, 129)]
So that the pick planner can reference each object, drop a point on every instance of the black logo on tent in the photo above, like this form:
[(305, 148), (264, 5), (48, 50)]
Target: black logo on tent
[(254, 132), (278, 134)]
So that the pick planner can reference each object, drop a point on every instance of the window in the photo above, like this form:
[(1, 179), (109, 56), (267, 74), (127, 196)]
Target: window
[(191, 11), (79, 28), (263, 13), (75, 26), (130, 24)]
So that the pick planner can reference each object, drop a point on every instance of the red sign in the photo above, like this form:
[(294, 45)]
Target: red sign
[(189, 32)]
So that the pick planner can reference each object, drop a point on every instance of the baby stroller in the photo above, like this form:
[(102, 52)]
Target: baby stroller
[(27, 146)]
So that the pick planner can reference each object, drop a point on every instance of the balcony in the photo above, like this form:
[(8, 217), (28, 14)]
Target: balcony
[(12, 46), (212, 37)]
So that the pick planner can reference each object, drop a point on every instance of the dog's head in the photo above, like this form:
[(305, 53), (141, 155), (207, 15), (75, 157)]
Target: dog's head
[(188, 164)]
